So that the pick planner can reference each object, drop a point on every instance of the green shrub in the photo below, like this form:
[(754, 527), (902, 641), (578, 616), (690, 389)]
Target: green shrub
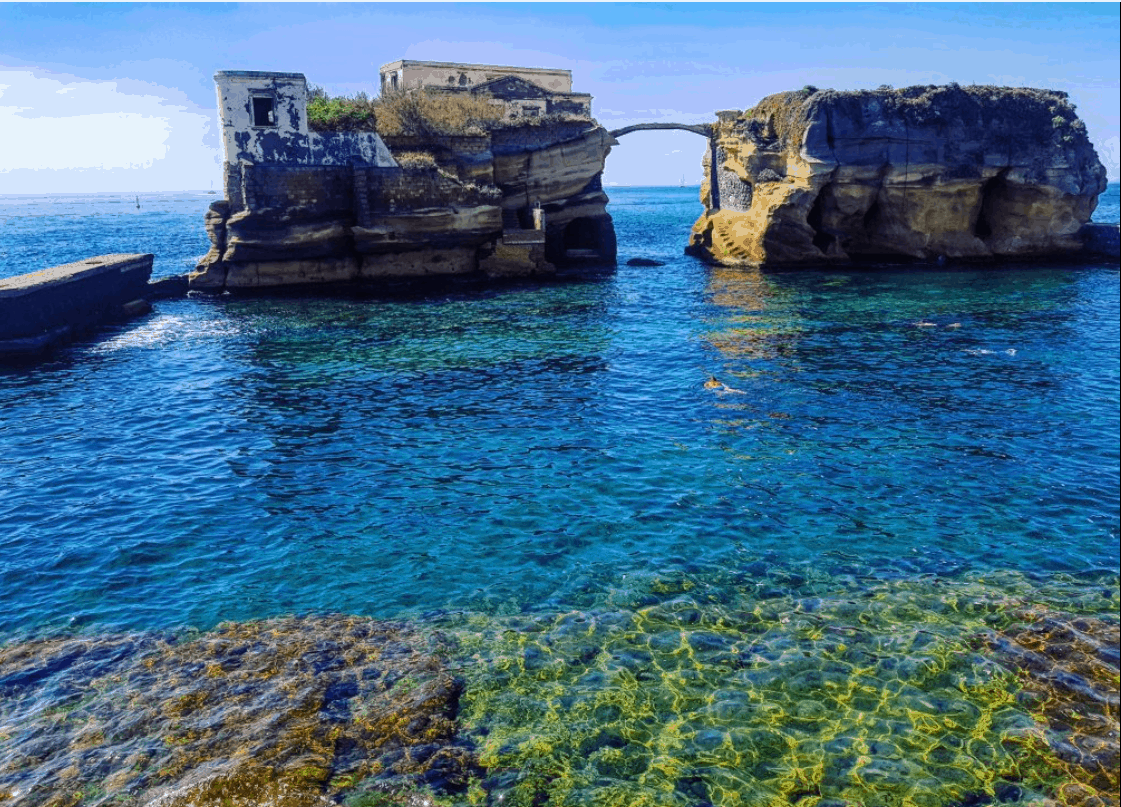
[(325, 113), (418, 113)]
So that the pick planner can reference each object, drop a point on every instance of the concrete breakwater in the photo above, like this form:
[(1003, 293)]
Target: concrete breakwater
[(41, 309)]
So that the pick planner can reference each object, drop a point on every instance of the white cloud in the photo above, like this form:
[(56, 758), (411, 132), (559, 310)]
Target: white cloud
[(67, 125), (94, 140)]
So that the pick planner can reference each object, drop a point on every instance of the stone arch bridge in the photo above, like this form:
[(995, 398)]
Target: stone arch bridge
[(703, 129)]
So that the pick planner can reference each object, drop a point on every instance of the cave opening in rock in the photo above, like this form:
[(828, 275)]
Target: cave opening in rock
[(822, 240), (991, 190), (581, 234), (871, 217)]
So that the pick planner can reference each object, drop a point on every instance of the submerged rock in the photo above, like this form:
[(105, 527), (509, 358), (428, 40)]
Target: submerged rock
[(289, 712), (922, 173), (1069, 667)]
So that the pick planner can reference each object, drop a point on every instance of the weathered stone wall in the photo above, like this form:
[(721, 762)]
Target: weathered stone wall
[(285, 142), (530, 137), (731, 192), (348, 148), (284, 139), (422, 189), (922, 173), (311, 191)]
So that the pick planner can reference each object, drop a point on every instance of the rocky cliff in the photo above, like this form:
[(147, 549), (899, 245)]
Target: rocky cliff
[(516, 201), (922, 173)]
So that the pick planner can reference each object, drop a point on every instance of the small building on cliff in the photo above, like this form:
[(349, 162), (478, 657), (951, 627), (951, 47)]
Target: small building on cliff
[(524, 92), (309, 207), (264, 122)]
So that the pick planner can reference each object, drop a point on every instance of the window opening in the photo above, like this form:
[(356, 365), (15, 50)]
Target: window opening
[(264, 113)]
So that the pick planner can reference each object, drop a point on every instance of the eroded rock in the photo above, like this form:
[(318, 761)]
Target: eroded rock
[(467, 213), (922, 173)]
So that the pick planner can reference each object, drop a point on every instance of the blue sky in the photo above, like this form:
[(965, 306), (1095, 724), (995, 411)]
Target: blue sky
[(120, 97)]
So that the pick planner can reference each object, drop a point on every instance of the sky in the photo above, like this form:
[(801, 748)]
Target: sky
[(119, 97)]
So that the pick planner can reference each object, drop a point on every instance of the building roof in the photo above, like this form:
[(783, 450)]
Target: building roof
[(257, 74), (417, 63), (512, 85)]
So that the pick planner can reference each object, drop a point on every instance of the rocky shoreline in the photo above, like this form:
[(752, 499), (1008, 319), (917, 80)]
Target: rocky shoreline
[(952, 691)]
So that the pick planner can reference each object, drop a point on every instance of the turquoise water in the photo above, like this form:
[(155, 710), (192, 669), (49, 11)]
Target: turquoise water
[(648, 448), (532, 445)]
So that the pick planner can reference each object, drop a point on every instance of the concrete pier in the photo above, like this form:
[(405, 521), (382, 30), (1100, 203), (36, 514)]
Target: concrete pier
[(43, 308)]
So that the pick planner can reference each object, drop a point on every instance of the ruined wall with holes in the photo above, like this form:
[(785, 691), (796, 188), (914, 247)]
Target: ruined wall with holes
[(309, 207), (922, 173), (410, 74), (263, 117)]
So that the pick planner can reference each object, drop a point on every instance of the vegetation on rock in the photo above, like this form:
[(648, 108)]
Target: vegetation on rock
[(325, 113), (421, 113)]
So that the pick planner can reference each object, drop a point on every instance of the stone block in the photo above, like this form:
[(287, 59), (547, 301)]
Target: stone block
[(41, 308)]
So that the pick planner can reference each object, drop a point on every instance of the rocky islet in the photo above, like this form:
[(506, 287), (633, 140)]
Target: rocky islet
[(923, 174)]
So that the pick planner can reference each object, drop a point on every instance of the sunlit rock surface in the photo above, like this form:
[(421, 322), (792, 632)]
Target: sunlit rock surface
[(1069, 667), (772, 686), (286, 712), (922, 173)]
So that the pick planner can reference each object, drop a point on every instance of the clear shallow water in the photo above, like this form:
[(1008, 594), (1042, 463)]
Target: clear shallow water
[(527, 446), (628, 447)]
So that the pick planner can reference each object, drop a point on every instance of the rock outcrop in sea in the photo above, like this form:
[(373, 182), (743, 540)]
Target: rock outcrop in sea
[(467, 214), (923, 173), (495, 196)]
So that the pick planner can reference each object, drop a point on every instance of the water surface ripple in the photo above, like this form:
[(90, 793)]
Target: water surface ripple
[(599, 444)]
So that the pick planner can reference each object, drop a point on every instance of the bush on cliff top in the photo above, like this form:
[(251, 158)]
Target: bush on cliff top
[(423, 113), (325, 113), (427, 113)]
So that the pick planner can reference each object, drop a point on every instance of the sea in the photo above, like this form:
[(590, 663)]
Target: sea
[(771, 537)]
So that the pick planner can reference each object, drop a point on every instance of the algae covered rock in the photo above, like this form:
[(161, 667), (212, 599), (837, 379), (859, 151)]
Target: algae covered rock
[(287, 712), (922, 173)]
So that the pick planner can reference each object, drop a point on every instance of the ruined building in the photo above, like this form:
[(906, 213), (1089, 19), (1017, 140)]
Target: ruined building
[(522, 91), (308, 207)]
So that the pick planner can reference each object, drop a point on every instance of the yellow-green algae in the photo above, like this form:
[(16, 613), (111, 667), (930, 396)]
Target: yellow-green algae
[(674, 691), (896, 694)]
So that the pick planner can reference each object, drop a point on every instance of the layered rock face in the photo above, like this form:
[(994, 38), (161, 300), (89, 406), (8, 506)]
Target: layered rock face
[(922, 173), (474, 211)]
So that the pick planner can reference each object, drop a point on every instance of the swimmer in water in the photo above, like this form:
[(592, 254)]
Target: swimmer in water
[(720, 386)]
